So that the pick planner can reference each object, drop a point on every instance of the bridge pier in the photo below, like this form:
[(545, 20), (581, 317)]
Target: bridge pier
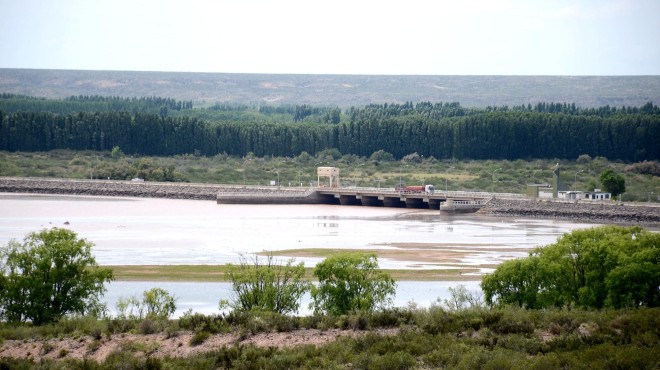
[(464, 202), (371, 201), (434, 203), (393, 202), (415, 203), (328, 199), (349, 200)]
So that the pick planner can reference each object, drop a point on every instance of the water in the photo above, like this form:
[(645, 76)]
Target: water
[(132, 231), (204, 297)]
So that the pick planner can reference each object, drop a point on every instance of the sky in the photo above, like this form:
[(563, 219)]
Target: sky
[(392, 37)]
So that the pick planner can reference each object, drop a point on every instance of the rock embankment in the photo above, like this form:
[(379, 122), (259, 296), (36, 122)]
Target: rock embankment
[(110, 188), (584, 211), (535, 208)]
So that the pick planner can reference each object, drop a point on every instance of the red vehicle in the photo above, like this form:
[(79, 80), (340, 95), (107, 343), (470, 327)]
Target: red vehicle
[(416, 189)]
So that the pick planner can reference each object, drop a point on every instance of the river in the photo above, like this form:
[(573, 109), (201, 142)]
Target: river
[(137, 231)]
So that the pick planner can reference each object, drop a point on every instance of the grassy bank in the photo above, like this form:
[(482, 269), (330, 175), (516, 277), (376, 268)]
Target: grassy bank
[(482, 175), (216, 273)]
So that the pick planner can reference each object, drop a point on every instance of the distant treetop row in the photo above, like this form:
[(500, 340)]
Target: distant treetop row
[(10, 103), (162, 126), (84, 103)]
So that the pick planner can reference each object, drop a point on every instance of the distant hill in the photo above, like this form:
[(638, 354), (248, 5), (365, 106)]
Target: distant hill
[(336, 90)]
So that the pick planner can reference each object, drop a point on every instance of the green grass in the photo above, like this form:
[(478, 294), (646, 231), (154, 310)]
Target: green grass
[(216, 273)]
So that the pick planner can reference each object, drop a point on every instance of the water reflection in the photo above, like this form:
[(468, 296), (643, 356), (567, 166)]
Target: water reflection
[(165, 231)]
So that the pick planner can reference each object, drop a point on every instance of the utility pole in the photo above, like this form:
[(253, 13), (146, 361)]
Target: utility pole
[(446, 178), (492, 187), (575, 181)]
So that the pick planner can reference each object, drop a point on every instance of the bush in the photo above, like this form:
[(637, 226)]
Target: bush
[(93, 346), (351, 282), (199, 338), (266, 285), (393, 317), (117, 326), (156, 304), (200, 322), (148, 326), (594, 268)]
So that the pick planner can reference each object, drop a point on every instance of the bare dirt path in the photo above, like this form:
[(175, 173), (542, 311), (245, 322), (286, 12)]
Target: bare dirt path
[(162, 345)]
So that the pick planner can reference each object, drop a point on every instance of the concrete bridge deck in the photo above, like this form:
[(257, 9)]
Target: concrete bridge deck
[(390, 197), (375, 197)]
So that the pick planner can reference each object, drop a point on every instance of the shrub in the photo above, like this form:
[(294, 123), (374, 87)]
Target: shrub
[(93, 346), (392, 317), (117, 326), (156, 304), (267, 286), (351, 282), (47, 348), (200, 322), (594, 268), (199, 338), (148, 326)]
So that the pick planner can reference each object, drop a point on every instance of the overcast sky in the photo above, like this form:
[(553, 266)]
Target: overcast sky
[(473, 37)]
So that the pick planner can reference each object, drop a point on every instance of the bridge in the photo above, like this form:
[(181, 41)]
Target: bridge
[(391, 197), (456, 201)]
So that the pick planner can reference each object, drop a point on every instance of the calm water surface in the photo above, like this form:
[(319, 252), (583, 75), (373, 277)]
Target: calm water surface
[(133, 231), (204, 297)]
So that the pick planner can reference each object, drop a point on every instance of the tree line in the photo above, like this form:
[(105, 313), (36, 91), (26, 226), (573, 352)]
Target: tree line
[(91, 103), (429, 129)]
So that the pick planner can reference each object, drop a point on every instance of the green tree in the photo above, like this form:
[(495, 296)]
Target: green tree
[(260, 285), (381, 155), (607, 266), (613, 182), (116, 153), (351, 282), (461, 298), (156, 304), (51, 274)]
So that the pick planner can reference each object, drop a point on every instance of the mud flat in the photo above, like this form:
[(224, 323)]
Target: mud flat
[(584, 211)]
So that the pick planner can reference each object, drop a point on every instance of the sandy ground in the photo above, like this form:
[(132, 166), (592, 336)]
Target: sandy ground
[(160, 345)]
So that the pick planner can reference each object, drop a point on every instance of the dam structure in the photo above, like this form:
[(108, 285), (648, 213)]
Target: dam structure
[(330, 191), (356, 196)]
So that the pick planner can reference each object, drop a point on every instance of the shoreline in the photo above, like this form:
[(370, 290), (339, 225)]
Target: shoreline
[(216, 273), (584, 211)]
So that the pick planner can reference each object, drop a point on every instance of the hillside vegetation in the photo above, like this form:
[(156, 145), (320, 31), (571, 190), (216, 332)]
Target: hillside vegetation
[(336, 90), (642, 178), (440, 130)]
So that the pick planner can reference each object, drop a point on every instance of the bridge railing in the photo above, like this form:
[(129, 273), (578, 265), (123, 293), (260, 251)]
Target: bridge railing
[(449, 194), (266, 191)]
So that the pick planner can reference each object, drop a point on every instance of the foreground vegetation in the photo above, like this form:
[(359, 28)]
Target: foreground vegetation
[(437, 337), (598, 268), (607, 266)]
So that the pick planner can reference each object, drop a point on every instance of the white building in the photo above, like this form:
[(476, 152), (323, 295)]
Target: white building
[(597, 195)]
